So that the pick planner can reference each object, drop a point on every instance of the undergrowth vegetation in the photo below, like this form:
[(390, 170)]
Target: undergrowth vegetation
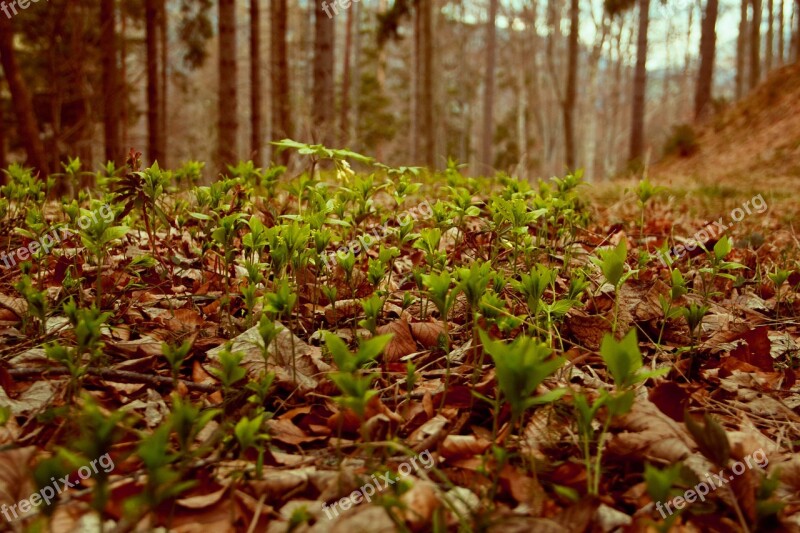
[(207, 338)]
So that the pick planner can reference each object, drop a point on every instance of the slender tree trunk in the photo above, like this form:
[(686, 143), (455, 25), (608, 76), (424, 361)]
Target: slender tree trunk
[(344, 120), (755, 44), (154, 132), (256, 128), (781, 30), (741, 50), (111, 91), (279, 75), (640, 84), (770, 35), (227, 152), (323, 94), (356, 85), (163, 33), (3, 151), (796, 16), (487, 132), (708, 44), (426, 84), (27, 125), (571, 92), (123, 80)]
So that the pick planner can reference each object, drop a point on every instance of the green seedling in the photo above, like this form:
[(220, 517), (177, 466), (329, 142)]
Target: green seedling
[(624, 362), (440, 294), (521, 367), (175, 355), (612, 264)]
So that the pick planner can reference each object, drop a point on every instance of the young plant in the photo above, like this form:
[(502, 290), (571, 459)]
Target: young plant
[(438, 291), (719, 267), (624, 362), (175, 356), (521, 367), (612, 263)]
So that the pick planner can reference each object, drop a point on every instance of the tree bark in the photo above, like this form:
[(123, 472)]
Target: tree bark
[(781, 29), (755, 45), (111, 89), (344, 120), (164, 90), (256, 128), (741, 50), (3, 151), (640, 84), (154, 133), (708, 44), (571, 92), (770, 35), (228, 97), (425, 82), (487, 132), (279, 75), (323, 93), (27, 124)]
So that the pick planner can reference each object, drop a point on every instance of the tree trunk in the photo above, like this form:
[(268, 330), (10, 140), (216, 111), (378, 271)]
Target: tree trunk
[(487, 133), (323, 93), (228, 103), (27, 125), (741, 50), (781, 29), (356, 84), (571, 92), (755, 45), (256, 129), (426, 132), (797, 31), (279, 75), (154, 133), (3, 152), (708, 44), (640, 84), (344, 122), (123, 81), (770, 35), (164, 91), (111, 90)]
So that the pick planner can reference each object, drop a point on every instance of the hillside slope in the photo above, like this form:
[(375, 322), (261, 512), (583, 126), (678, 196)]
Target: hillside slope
[(753, 143)]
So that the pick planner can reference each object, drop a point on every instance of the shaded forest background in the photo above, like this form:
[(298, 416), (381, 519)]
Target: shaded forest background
[(530, 88)]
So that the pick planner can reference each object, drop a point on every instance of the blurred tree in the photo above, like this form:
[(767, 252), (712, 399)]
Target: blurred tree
[(256, 129), (755, 44), (640, 84), (741, 49), (155, 135), (27, 124), (111, 92), (344, 121), (279, 74), (323, 97), (227, 152), (487, 132), (571, 92), (705, 75)]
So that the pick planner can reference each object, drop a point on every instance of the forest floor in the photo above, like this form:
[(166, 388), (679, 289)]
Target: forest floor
[(506, 357)]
